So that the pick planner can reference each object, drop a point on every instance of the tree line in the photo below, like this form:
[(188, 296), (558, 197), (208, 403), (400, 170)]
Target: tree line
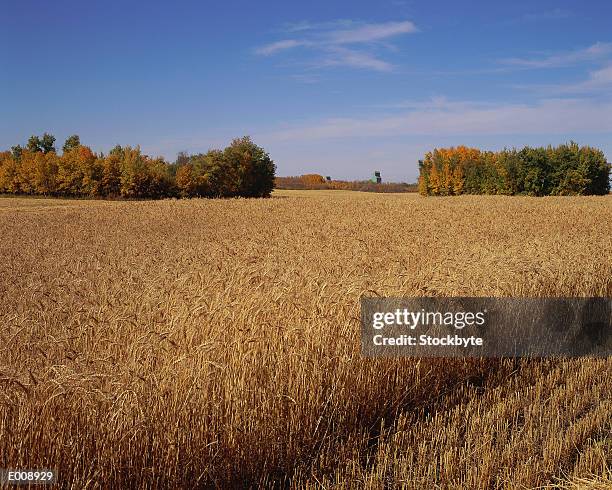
[(564, 170), (241, 169), (317, 181)]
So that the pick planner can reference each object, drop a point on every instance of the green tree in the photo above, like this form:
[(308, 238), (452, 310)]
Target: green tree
[(221, 176), (535, 171), (34, 144), (252, 166), (44, 144), (16, 151), (596, 168), (160, 182), (71, 143), (446, 179), (509, 163), (47, 143), (424, 176)]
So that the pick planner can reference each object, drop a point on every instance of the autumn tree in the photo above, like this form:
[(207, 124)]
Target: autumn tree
[(9, 169), (435, 183), (182, 158), (33, 173), (312, 180), (133, 173), (110, 183), (44, 176), (142, 176), (27, 171), (159, 182), (80, 172), (186, 180), (446, 178), (457, 180)]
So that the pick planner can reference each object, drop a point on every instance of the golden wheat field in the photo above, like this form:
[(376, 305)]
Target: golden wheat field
[(215, 343)]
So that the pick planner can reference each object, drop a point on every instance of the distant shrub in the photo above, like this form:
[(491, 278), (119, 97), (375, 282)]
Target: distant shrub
[(242, 169), (312, 179), (316, 181)]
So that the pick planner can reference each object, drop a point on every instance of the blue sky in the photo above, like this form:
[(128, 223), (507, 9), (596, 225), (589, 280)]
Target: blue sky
[(339, 88)]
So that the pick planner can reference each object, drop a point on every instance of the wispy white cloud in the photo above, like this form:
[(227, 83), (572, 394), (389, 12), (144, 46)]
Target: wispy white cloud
[(600, 78), (554, 14), (370, 32), (597, 51), (319, 26), (598, 82), (277, 46), (307, 78), (342, 43), (436, 102), (547, 116), (339, 56)]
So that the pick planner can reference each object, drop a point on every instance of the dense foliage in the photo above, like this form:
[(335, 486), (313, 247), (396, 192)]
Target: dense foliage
[(242, 169), (564, 170)]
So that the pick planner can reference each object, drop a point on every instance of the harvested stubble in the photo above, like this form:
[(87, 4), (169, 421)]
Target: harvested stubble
[(216, 343)]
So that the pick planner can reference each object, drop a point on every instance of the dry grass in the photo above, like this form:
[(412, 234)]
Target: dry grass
[(215, 343), (593, 483)]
